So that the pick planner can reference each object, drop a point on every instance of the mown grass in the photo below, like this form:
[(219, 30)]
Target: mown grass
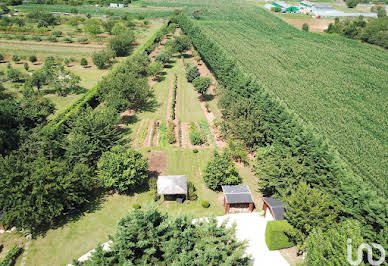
[(60, 246)]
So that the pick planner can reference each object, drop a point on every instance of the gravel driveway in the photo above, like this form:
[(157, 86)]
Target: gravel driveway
[(251, 227)]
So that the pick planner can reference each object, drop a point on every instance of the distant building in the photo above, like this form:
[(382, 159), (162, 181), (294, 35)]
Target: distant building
[(117, 5)]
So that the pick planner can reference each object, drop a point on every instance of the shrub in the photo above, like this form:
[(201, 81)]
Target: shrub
[(36, 38), (83, 40), (195, 134), (136, 206), (191, 191), (122, 169), (33, 58), (192, 73), (68, 40), (57, 33), (101, 59), (276, 235), (26, 66), (201, 84), (84, 62), (305, 27), (164, 57), (220, 170), (173, 100), (195, 150), (52, 39), (171, 132), (121, 44), (148, 149), (276, 9), (15, 58), (205, 204)]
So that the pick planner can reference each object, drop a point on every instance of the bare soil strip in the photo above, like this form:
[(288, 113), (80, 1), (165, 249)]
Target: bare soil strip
[(157, 162), (147, 141), (156, 134), (185, 136)]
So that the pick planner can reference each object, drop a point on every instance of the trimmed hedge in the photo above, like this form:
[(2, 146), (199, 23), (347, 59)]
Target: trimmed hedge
[(173, 100), (275, 235), (11, 256), (91, 95)]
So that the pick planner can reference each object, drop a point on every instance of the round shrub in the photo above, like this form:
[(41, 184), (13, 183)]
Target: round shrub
[(122, 169), (192, 73), (15, 58), (148, 149), (201, 84), (195, 151), (136, 206), (205, 204), (305, 27), (221, 170), (33, 58), (84, 62)]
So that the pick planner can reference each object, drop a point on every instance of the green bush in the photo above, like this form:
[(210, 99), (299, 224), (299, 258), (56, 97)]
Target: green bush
[(205, 204), (195, 135), (192, 73), (276, 235), (305, 27), (191, 191), (195, 151), (136, 206), (201, 84)]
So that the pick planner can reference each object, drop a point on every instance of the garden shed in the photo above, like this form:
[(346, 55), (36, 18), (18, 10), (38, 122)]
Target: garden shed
[(237, 199), (172, 186), (275, 206)]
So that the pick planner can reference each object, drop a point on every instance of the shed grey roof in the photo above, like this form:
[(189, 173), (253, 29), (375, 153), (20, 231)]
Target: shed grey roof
[(172, 184), (276, 206), (237, 194)]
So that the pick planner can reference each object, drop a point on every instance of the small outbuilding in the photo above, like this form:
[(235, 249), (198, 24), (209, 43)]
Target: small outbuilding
[(275, 207), (237, 199), (172, 186)]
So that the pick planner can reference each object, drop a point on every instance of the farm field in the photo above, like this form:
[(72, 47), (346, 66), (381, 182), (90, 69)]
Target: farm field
[(89, 76), (134, 9), (339, 86)]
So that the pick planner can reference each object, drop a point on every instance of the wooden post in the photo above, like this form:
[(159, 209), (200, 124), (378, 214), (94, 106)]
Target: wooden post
[(251, 206), (265, 208), (227, 208)]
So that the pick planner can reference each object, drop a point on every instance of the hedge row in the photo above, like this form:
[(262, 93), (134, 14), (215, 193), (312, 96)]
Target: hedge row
[(11, 256), (276, 235), (91, 96), (355, 198), (173, 100)]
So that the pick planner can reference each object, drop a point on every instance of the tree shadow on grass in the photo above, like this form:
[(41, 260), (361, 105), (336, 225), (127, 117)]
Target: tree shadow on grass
[(186, 56), (208, 97), (94, 204)]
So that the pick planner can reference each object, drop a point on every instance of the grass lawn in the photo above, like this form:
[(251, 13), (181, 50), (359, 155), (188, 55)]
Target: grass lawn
[(60, 246), (9, 240), (188, 106)]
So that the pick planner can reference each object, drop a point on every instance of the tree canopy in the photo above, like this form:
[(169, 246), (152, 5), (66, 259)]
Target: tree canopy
[(148, 237), (220, 170), (122, 169)]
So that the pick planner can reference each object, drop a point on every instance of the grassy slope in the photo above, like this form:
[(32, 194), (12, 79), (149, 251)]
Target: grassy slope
[(336, 84)]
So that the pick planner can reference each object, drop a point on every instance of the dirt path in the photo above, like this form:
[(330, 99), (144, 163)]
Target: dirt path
[(155, 140), (147, 140)]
